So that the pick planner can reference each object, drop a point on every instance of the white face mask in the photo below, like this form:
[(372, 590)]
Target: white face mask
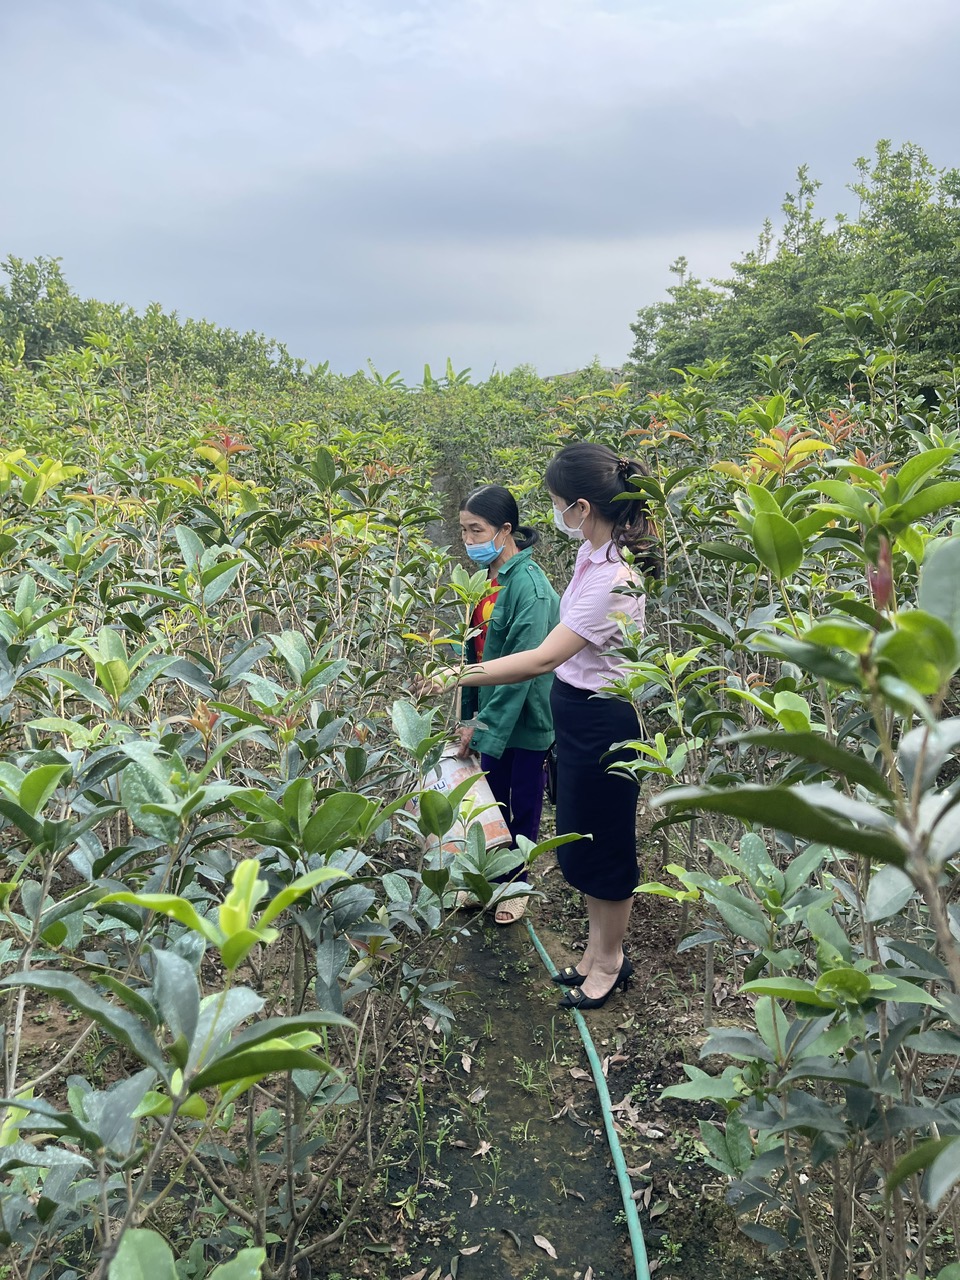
[(562, 525)]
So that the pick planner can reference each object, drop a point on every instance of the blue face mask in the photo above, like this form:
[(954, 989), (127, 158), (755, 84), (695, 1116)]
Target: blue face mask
[(483, 552)]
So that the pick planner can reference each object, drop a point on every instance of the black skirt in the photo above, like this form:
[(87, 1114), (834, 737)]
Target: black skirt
[(590, 800)]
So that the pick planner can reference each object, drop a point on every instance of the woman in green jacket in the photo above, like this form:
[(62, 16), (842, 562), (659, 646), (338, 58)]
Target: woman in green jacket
[(514, 726)]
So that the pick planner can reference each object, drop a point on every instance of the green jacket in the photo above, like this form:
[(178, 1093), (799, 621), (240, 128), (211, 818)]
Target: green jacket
[(515, 715)]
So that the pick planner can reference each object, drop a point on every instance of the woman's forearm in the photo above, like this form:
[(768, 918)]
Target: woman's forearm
[(560, 645), (513, 668)]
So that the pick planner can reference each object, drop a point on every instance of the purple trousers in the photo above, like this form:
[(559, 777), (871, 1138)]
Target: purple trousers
[(517, 782)]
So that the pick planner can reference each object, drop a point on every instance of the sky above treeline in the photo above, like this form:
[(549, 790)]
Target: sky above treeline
[(502, 182)]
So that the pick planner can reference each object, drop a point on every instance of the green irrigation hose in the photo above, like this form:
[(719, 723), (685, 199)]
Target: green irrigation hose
[(626, 1190)]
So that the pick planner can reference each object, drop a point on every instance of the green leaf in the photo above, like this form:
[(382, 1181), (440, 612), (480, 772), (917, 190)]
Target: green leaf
[(925, 503), (921, 650), (844, 986), (792, 711), (218, 579), (31, 828), (324, 469), (777, 543), (795, 989), (943, 1174), (436, 814), (939, 591), (281, 1027), (889, 892), (815, 749), (39, 785), (254, 1064), (784, 809), (727, 551), (919, 1158), (191, 548), (295, 652), (919, 468), (701, 1087), (246, 891), (834, 633), (177, 993), (123, 1026), (927, 747), (142, 1255), (169, 904), (245, 1266), (411, 726), (338, 816), (297, 888), (139, 787)]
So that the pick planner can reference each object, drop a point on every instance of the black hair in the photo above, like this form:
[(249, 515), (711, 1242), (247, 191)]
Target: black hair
[(498, 506), (595, 473)]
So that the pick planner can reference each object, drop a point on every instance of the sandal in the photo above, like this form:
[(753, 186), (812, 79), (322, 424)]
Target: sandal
[(510, 910)]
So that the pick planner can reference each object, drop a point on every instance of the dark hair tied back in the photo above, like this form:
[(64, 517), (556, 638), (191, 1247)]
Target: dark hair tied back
[(596, 474), (498, 506)]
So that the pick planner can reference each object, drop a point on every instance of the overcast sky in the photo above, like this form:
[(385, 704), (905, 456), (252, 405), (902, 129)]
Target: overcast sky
[(500, 181)]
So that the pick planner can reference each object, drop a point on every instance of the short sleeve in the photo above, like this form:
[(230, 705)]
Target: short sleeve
[(590, 613)]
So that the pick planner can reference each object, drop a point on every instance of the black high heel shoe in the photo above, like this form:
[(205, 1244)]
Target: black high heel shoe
[(575, 999), (572, 977), (569, 977)]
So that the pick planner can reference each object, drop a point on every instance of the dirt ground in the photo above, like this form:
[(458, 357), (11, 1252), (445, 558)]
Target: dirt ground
[(459, 1226)]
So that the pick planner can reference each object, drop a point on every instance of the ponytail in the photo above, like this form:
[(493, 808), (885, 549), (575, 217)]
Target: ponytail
[(595, 473)]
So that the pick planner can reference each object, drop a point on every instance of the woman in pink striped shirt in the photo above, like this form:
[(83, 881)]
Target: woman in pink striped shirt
[(593, 500)]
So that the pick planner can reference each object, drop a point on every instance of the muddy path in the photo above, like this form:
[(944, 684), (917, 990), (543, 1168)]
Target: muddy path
[(513, 1146)]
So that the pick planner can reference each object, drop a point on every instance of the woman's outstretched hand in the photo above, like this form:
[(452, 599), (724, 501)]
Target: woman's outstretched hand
[(466, 736), (434, 684)]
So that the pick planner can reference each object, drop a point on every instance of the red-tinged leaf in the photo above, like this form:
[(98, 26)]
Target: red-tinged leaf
[(543, 1243)]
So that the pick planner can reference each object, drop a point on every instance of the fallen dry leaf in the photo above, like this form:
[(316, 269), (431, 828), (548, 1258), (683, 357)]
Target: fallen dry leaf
[(545, 1245), (642, 1168), (459, 1142), (568, 1192), (474, 1248), (478, 1094), (578, 1073), (466, 1062), (483, 1148), (654, 1265), (588, 1274), (474, 1199), (416, 1275), (659, 1208), (514, 1237), (673, 1190)]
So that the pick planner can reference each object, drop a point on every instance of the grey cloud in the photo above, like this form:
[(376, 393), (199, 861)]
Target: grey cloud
[(492, 180)]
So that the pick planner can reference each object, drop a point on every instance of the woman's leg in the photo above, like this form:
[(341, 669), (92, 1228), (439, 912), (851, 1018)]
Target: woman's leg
[(603, 957), (516, 780)]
